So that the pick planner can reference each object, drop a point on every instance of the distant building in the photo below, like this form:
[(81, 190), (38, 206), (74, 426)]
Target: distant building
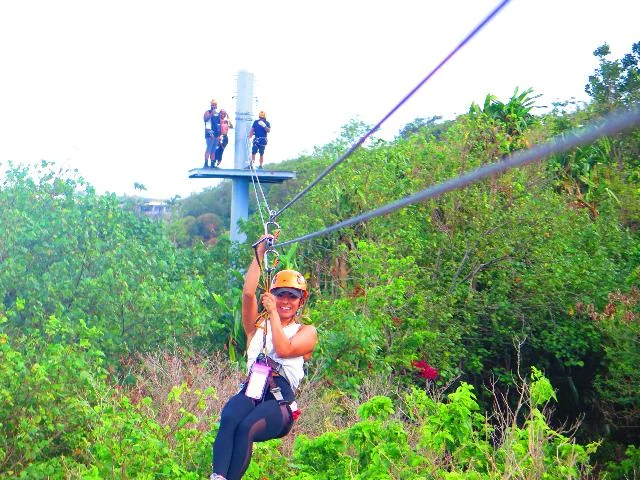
[(156, 209)]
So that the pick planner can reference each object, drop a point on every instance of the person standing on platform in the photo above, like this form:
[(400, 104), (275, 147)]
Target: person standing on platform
[(225, 125), (211, 133), (260, 128)]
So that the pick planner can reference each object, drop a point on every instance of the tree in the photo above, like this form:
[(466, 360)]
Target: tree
[(208, 227), (515, 116), (69, 252), (615, 83), (605, 173), (430, 126)]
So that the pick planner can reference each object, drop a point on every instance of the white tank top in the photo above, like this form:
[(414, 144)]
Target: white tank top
[(292, 367)]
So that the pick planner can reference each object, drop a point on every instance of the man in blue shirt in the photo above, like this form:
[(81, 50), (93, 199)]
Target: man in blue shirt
[(260, 128)]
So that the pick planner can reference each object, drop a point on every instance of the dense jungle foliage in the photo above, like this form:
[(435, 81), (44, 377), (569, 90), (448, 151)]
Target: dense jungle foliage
[(490, 333)]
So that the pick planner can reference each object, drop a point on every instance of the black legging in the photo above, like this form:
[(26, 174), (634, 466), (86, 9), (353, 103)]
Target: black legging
[(221, 146), (242, 422)]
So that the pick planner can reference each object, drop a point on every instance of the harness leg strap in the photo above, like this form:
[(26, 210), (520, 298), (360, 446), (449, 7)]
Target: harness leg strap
[(275, 391)]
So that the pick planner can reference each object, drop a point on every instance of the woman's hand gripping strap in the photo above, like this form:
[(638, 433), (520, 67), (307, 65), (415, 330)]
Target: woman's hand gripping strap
[(266, 269), (266, 272)]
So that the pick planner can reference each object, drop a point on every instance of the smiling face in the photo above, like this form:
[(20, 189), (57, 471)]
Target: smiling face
[(287, 304)]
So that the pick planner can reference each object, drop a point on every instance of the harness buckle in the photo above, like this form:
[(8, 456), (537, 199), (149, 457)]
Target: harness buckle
[(275, 391)]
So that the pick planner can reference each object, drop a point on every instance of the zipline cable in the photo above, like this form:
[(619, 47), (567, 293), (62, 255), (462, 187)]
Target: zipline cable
[(255, 174), (394, 109), (615, 122), (255, 179)]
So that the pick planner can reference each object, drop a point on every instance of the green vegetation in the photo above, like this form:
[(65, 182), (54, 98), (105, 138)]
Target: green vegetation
[(490, 333)]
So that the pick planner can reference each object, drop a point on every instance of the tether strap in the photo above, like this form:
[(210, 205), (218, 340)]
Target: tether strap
[(266, 272), (275, 366)]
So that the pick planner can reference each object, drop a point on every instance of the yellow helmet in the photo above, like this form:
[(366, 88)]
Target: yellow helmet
[(214, 102), (262, 114), (289, 281)]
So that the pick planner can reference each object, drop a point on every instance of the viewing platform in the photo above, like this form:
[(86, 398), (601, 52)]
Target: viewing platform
[(265, 176)]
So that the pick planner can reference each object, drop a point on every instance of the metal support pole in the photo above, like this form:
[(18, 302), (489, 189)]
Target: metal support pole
[(244, 116), (240, 186), (239, 207)]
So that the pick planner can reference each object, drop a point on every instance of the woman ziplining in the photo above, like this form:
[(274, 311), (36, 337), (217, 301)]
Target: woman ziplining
[(277, 345), (265, 406)]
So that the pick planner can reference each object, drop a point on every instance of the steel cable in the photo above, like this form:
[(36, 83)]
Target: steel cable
[(394, 109), (254, 180), (615, 122)]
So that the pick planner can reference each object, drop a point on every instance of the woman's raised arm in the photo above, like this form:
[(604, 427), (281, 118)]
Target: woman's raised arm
[(249, 300)]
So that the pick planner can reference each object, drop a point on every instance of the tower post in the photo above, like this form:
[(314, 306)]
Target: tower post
[(240, 176), (240, 186)]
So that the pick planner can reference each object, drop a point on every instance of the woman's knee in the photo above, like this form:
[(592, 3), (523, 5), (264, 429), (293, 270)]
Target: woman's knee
[(229, 422), (244, 428), (236, 408)]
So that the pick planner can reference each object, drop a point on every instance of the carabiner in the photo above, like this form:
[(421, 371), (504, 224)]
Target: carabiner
[(266, 227), (270, 250)]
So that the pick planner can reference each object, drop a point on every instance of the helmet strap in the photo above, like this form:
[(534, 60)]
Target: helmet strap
[(300, 308)]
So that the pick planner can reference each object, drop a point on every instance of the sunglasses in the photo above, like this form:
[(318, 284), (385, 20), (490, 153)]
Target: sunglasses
[(287, 295)]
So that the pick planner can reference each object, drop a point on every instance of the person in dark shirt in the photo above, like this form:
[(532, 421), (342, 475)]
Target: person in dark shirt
[(211, 133), (259, 131)]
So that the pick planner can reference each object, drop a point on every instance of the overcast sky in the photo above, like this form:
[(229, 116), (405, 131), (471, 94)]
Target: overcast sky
[(117, 89)]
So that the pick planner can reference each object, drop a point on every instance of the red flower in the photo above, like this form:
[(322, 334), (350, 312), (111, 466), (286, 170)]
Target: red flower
[(429, 373), (420, 364), (426, 370)]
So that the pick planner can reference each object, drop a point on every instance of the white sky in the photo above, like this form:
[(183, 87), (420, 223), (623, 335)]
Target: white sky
[(117, 89)]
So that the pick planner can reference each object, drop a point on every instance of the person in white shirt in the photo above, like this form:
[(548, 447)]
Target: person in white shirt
[(265, 410)]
